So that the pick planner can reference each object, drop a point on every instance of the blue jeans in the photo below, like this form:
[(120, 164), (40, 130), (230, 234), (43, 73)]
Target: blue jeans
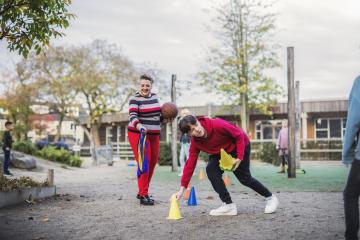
[(184, 154), (351, 202), (6, 160)]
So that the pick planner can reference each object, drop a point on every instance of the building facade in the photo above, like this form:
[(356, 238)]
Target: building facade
[(320, 120)]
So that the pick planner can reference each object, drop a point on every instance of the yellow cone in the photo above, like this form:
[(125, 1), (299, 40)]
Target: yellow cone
[(174, 213), (227, 180), (201, 174)]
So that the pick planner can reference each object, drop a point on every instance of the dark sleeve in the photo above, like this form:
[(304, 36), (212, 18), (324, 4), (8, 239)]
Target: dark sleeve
[(7, 140)]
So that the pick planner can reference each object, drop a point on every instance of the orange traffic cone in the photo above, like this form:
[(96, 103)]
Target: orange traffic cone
[(201, 174), (227, 180), (187, 193), (174, 213)]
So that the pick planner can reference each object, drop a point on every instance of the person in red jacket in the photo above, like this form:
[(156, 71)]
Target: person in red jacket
[(210, 136)]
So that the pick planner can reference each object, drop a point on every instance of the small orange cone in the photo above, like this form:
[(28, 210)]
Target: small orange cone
[(227, 180), (174, 213), (187, 193), (201, 174)]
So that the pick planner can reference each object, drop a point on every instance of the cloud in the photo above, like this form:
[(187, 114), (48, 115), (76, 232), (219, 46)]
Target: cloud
[(172, 34)]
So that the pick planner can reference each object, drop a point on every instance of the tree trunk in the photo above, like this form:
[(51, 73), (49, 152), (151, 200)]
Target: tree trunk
[(58, 129), (95, 139), (94, 130), (244, 116)]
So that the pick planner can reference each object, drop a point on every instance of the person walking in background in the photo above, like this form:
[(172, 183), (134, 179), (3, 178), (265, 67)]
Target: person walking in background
[(184, 144), (351, 155), (282, 144), (7, 145)]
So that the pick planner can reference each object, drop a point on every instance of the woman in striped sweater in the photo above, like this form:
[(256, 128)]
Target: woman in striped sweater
[(144, 117)]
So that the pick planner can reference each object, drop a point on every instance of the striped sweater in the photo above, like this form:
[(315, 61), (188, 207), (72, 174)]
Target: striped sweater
[(144, 110)]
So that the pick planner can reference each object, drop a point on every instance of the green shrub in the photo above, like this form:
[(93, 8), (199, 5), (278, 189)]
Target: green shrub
[(204, 156), (60, 155), (268, 153), (8, 184), (165, 156), (25, 147), (75, 161)]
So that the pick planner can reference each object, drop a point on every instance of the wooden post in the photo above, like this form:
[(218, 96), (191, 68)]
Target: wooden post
[(297, 125), (2, 168), (50, 177), (291, 112), (174, 127)]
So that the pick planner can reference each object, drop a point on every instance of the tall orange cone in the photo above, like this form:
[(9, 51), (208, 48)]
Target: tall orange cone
[(201, 174), (174, 213), (227, 180), (187, 192)]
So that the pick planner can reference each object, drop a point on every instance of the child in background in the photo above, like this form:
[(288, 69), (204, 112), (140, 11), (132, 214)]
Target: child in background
[(282, 144), (184, 144)]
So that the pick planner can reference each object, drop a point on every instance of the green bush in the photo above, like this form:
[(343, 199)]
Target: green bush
[(204, 156), (75, 161), (60, 155), (165, 156), (268, 153), (8, 184), (25, 147)]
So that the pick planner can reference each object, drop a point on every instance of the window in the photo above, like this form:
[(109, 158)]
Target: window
[(330, 127), (321, 126), (267, 129), (335, 128), (108, 136), (258, 130), (267, 132)]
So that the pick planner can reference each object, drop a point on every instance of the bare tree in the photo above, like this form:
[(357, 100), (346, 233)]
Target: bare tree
[(235, 68)]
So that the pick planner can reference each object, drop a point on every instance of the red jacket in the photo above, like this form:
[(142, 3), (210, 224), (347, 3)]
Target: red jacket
[(220, 134)]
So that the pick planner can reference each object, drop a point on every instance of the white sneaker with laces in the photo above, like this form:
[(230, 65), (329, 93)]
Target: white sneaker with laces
[(225, 210), (271, 204)]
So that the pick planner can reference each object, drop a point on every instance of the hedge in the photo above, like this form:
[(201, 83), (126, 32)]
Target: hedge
[(48, 153), (165, 156)]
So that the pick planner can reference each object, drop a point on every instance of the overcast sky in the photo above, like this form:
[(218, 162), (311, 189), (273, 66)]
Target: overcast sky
[(172, 34)]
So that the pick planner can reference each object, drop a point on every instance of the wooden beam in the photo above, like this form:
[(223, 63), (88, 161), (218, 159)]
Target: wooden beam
[(174, 127), (291, 112)]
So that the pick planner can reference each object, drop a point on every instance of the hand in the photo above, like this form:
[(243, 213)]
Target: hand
[(237, 164), (277, 147), (7, 149), (141, 128), (180, 192)]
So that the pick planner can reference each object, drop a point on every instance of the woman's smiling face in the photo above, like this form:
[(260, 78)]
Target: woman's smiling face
[(145, 87)]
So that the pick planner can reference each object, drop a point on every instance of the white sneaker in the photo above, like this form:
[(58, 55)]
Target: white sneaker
[(225, 210), (271, 204)]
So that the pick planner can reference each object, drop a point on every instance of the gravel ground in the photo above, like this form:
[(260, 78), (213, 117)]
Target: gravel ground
[(99, 203)]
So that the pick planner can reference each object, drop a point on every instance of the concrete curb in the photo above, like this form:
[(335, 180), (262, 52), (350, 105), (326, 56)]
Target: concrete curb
[(18, 196)]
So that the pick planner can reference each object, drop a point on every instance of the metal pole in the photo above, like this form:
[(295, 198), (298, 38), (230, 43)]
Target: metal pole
[(298, 124), (291, 112), (174, 127)]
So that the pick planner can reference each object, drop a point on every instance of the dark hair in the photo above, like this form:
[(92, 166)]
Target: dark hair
[(7, 123), (185, 122), (146, 77)]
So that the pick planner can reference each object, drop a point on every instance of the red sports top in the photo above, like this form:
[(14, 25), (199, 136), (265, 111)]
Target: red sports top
[(219, 134)]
